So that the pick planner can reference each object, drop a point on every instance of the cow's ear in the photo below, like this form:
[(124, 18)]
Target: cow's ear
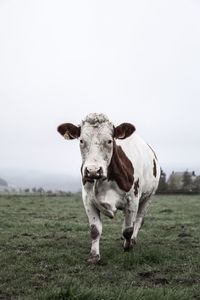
[(69, 131), (123, 131)]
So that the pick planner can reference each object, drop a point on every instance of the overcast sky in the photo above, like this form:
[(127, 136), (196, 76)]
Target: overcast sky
[(135, 61)]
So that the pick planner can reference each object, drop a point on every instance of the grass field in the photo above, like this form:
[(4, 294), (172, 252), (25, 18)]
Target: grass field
[(45, 243)]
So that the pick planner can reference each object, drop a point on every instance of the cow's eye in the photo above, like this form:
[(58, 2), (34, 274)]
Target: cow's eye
[(81, 142), (109, 141)]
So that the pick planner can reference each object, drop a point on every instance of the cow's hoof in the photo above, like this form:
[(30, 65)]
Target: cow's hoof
[(94, 259), (108, 211), (129, 244)]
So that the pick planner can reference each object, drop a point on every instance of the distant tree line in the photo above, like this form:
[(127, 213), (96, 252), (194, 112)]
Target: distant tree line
[(179, 183)]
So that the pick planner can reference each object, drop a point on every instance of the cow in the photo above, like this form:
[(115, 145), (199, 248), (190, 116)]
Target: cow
[(119, 172)]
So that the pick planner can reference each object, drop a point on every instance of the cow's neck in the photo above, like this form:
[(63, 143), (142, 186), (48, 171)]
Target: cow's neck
[(121, 169)]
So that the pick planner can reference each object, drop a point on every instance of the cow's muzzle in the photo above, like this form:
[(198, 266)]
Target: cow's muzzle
[(93, 173)]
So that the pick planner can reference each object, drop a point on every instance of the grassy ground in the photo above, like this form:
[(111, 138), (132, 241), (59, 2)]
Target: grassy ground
[(44, 246)]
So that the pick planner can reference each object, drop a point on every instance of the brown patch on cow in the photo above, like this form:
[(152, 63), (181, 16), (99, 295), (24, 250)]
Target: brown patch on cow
[(123, 131), (136, 187), (121, 169), (69, 131), (94, 232), (153, 151), (154, 168)]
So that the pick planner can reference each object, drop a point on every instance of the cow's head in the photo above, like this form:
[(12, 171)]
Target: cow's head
[(97, 138)]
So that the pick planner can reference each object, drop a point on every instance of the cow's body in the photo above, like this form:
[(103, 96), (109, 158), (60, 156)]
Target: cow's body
[(122, 173)]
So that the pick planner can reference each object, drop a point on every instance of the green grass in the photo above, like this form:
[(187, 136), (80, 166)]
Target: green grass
[(45, 243)]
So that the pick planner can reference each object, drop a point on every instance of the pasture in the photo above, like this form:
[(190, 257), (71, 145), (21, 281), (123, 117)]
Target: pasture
[(45, 243)]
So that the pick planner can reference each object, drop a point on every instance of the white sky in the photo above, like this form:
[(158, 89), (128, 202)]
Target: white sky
[(136, 61)]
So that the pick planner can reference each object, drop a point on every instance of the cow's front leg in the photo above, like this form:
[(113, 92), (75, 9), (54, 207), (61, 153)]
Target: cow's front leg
[(130, 213), (95, 230)]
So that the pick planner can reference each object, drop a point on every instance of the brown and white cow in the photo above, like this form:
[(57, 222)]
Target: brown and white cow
[(119, 171)]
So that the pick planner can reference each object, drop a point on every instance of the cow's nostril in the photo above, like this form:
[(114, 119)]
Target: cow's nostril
[(100, 172), (87, 173)]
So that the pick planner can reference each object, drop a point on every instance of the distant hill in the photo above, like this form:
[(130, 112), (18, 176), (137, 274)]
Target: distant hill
[(3, 183), (37, 179)]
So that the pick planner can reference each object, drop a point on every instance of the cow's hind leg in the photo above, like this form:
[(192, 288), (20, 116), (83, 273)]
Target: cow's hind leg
[(130, 213), (142, 210)]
